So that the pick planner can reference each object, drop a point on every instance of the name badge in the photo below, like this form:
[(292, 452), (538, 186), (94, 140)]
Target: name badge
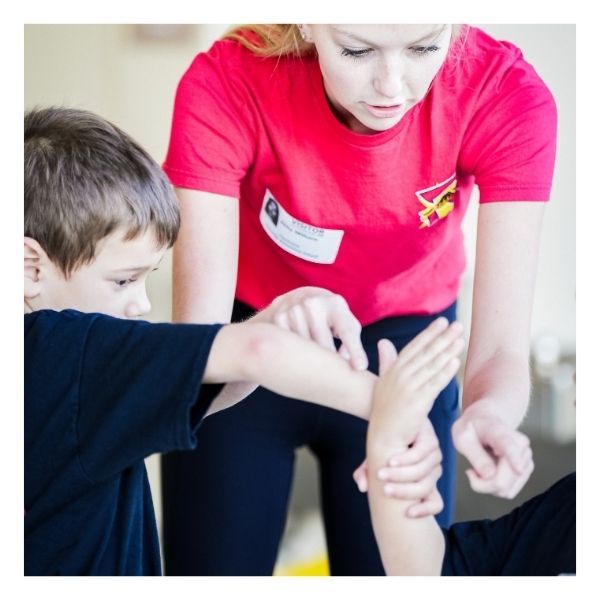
[(303, 240)]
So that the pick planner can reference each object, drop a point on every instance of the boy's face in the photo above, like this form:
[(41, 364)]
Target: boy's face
[(114, 283)]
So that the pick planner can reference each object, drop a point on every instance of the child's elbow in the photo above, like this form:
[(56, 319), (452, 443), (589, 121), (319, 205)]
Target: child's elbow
[(259, 351)]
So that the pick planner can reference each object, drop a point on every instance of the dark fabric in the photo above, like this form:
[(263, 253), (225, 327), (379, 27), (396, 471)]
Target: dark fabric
[(102, 394), (225, 507), (537, 538)]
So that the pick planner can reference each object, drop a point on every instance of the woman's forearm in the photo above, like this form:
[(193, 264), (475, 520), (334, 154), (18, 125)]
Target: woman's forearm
[(500, 384)]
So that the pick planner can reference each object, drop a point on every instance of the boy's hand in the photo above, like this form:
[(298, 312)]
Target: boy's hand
[(319, 315), (412, 474), (500, 456), (410, 382)]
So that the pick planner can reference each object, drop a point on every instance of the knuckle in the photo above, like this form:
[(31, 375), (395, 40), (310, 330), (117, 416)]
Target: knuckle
[(310, 304), (340, 300)]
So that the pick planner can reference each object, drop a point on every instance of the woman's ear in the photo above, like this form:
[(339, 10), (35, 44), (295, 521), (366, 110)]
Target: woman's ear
[(305, 33), (34, 261)]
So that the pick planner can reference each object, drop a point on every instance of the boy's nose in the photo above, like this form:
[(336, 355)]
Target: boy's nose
[(139, 307)]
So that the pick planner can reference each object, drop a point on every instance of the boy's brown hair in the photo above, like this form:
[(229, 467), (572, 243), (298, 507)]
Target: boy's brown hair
[(85, 178)]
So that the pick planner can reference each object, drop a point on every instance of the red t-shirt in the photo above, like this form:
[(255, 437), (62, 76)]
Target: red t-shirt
[(376, 217)]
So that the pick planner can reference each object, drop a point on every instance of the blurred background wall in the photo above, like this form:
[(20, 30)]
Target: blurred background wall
[(129, 73)]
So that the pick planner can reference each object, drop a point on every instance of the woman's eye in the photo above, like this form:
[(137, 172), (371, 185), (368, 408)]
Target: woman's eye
[(355, 53), (422, 50)]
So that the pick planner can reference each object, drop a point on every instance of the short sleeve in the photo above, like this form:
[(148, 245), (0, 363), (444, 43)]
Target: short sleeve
[(510, 143), (140, 391), (211, 146), (536, 538)]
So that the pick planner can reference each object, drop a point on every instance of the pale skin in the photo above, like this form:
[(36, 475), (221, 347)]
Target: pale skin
[(365, 67), (408, 384)]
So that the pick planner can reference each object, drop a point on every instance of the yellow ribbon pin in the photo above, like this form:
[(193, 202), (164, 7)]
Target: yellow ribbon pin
[(441, 205)]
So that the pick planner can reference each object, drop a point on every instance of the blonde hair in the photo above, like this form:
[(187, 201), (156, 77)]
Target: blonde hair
[(285, 40), (271, 40)]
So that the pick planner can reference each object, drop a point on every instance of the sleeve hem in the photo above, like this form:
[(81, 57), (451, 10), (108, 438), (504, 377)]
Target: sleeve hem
[(512, 194), (200, 397), (188, 180)]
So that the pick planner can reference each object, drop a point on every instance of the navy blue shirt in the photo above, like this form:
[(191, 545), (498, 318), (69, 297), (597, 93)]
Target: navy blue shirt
[(537, 538), (102, 394)]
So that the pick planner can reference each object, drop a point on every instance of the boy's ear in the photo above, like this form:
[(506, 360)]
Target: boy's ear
[(35, 259)]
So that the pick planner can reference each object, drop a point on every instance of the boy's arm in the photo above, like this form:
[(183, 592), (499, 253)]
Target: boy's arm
[(408, 546), (313, 313), (408, 385), (289, 365)]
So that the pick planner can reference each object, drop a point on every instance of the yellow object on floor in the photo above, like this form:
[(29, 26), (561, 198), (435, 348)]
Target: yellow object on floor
[(316, 567)]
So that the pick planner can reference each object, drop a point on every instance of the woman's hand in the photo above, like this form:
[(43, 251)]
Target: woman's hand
[(319, 315), (500, 456), (412, 474)]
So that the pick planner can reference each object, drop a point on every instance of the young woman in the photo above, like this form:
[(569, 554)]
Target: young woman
[(344, 156)]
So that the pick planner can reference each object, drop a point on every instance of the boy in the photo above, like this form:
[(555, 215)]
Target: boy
[(102, 393), (537, 538)]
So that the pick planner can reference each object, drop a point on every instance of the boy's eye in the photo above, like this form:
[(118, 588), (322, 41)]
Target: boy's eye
[(124, 282), (356, 53)]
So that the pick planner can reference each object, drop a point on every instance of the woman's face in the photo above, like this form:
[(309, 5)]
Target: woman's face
[(373, 74)]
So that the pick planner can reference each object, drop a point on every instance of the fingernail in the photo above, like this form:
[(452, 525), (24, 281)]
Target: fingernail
[(388, 490), (394, 462)]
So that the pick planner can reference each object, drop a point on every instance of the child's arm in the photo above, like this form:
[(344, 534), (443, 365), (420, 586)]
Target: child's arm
[(408, 385), (289, 365), (313, 313), (412, 474)]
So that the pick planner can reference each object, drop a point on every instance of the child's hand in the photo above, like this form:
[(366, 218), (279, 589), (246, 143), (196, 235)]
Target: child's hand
[(500, 456), (412, 474), (410, 382), (319, 315)]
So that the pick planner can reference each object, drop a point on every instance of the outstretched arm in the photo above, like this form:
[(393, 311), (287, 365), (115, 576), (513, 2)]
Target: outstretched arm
[(314, 314), (289, 365), (407, 387)]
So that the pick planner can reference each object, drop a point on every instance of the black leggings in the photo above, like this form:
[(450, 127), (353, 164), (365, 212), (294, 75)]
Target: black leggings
[(225, 504)]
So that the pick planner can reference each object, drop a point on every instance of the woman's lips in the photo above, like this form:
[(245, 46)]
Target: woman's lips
[(385, 112)]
